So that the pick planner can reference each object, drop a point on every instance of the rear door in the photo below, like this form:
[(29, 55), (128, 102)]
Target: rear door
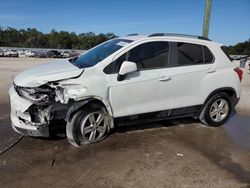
[(191, 63)]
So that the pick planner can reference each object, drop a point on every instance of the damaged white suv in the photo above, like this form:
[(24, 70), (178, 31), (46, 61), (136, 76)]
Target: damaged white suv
[(123, 81)]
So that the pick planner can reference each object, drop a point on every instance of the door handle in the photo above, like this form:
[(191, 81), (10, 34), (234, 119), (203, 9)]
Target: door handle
[(211, 70), (164, 78)]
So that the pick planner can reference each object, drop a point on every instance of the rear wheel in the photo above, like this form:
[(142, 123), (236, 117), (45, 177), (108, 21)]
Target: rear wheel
[(217, 110), (89, 125)]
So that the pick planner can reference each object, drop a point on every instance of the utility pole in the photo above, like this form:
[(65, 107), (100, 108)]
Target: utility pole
[(206, 18)]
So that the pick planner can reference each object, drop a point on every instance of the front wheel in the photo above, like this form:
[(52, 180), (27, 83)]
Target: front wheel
[(217, 110), (90, 125)]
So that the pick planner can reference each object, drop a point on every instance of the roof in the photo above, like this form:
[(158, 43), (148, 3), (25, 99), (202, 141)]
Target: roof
[(134, 37), (171, 36)]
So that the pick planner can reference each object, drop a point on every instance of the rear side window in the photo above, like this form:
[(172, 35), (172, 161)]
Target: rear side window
[(208, 56), (192, 54), (189, 54), (225, 50)]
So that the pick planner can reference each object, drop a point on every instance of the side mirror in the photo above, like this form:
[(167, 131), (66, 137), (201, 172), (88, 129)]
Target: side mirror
[(126, 67)]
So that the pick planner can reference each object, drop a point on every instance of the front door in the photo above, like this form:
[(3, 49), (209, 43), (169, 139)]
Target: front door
[(145, 90)]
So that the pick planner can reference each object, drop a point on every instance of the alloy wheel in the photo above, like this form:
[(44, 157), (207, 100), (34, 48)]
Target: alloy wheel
[(94, 126), (219, 110)]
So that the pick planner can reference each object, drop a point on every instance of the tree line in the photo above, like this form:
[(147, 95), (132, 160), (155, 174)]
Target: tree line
[(32, 38), (242, 48)]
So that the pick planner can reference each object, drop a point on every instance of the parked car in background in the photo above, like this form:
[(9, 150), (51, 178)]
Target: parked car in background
[(41, 54), (10, 53), (65, 54), (30, 53), (54, 54), (1, 53), (73, 53), (21, 53), (26, 53)]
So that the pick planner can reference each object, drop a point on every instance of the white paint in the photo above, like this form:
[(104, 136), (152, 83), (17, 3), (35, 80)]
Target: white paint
[(127, 67), (44, 73)]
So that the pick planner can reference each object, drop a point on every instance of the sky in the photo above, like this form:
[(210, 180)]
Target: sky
[(229, 24)]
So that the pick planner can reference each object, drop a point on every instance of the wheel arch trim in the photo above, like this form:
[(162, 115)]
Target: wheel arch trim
[(216, 91), (77, 105)]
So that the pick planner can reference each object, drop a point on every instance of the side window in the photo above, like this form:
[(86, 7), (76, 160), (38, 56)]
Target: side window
[(149, 55), (208, 56), (114, 67), (118, 63), (226, 52), (189, 54)]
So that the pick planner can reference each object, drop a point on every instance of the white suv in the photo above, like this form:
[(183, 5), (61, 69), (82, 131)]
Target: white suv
[(123, 81)]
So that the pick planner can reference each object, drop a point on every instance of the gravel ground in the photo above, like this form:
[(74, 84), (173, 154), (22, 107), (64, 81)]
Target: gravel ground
[(178, 153)]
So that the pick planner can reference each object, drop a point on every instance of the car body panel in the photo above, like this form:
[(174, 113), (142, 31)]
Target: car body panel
[(44, 73)]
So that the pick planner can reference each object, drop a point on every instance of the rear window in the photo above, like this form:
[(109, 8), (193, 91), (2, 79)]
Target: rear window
[(225, 50)]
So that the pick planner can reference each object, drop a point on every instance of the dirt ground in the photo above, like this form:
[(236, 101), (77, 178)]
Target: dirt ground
[(178, 153)]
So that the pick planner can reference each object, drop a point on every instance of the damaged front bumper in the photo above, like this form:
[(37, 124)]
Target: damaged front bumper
[(22, 120)]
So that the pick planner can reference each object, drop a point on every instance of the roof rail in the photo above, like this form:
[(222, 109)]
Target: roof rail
[(133, 34), (179, 35)]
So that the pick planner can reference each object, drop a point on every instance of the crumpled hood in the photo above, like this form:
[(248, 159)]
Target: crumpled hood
[(44, 73)]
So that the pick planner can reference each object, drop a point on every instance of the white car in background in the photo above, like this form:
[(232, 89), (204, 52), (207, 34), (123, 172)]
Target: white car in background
[(65, 54), (21, 53), (30, 53), (11, 53), (128, 80)]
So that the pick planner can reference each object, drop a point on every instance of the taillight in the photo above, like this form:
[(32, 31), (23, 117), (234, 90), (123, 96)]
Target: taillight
[(239, 72)]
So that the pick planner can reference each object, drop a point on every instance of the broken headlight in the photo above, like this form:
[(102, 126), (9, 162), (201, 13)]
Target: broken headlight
[(40, 95)]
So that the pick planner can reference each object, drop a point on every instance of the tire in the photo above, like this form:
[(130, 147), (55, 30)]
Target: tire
[(217, 110), (83, 128)]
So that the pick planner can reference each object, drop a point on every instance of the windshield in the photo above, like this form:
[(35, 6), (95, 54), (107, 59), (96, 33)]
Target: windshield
[(97, 54)]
